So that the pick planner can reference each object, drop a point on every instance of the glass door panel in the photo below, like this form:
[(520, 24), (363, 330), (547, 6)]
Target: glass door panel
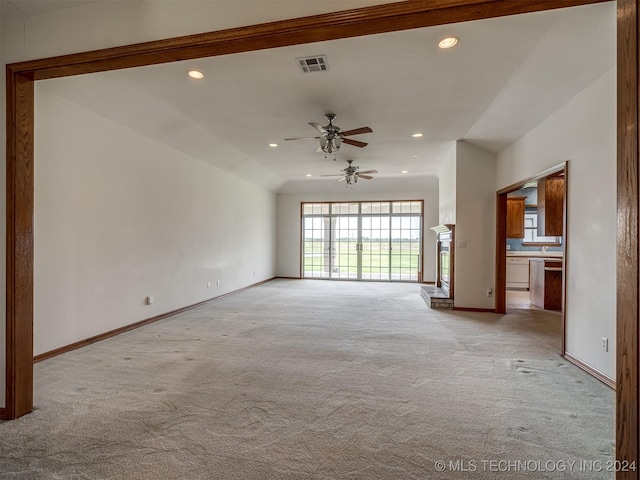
[(375, 248), (405, 248), (345, 248), (316, 251)]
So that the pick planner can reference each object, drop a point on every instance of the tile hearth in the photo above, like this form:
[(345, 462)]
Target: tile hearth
[(435, 297)]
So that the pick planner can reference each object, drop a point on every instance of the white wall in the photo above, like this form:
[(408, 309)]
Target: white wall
[(475, 214), (467, 198), (289, 227), (108, 24), (583, 132), (447, 190), (119, 216)]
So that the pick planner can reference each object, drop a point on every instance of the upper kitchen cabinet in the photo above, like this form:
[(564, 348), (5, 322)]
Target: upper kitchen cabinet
[(551, 206), (515, 217)]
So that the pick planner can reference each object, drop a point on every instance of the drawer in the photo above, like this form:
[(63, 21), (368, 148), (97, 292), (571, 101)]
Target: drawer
[(517, 261)]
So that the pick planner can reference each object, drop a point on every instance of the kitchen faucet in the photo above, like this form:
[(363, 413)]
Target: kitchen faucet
[(544, 249)]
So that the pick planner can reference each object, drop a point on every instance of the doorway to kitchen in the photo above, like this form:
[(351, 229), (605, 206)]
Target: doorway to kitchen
[(372, 241), (531, 244)]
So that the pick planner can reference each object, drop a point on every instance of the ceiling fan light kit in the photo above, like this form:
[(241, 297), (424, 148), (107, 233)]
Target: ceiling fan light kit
[(351, 174), (330, 145), (331, 137)]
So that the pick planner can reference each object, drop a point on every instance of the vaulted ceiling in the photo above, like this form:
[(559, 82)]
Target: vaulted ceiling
[(503, 78)]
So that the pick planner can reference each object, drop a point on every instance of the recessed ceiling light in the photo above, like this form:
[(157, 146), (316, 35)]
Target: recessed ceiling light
[(308, 175), (405, 171), (416, 135), (273, 145), (448, 42), (414, 156), (196, 74)]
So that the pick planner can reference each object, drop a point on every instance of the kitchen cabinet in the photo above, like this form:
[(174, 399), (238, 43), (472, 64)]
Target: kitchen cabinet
[(515, 217), (545, 283), (550, 206)]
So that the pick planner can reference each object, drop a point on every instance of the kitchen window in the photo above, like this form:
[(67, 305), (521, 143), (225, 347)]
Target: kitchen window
[(531, 232)]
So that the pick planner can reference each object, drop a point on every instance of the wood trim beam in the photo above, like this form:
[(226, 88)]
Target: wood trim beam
[(628, 268), (349, 23), (19, 307)]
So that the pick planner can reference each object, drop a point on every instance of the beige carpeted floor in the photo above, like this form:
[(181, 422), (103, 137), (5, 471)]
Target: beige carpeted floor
[(317, 380)]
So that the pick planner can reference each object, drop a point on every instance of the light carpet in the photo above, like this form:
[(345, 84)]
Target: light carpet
[(303, 379)]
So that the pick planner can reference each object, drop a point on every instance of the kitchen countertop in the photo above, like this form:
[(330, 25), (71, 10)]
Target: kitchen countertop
[(530, 254)]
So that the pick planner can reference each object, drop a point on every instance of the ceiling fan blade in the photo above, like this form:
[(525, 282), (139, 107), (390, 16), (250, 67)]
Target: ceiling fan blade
[(303, 138), (367, 171), (339, 175), (357, 131), (355, 143), (342, 178), (318, 127), (366, 177)]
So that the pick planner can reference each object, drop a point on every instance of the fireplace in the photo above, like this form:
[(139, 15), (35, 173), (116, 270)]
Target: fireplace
[(440, 295), (445, 258)]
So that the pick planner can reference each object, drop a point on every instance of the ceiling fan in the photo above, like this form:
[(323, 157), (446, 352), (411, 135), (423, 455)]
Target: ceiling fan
[(331, 137), (351, 174)]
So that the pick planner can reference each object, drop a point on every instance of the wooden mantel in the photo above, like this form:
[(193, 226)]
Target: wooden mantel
[(445, 245)]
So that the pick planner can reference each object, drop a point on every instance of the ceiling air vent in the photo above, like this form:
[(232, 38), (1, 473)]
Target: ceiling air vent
[(313, 64)]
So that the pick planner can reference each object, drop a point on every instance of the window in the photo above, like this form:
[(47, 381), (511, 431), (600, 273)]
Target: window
[(362, 240), (531, 232)]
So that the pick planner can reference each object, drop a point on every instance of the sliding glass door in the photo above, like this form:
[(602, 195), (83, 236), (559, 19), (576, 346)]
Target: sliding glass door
[(376, 247), (362, 240)]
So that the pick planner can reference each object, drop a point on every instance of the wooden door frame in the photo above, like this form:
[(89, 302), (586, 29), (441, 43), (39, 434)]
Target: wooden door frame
[(365, 21), (501, 243), (627, 266)]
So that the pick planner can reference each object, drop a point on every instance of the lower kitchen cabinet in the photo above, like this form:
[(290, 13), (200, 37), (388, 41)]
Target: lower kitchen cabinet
[(546, 283)]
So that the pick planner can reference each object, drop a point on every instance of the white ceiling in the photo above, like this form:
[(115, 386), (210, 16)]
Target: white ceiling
[(16, 9), (503, 78)]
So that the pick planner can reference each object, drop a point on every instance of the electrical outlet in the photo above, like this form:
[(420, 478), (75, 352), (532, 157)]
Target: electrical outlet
[(218, 283), (605, 344), (208, 284), (489, 292), (150, 300)]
